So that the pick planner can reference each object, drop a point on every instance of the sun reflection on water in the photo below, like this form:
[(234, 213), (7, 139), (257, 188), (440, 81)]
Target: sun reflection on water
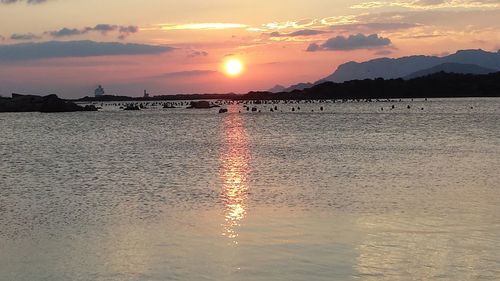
[(234, 159)]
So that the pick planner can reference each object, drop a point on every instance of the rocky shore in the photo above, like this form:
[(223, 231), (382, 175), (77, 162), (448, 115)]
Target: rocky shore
[(46, 104)]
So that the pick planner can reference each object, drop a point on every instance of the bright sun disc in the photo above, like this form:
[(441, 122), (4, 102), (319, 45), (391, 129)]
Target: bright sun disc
[(233, 67)]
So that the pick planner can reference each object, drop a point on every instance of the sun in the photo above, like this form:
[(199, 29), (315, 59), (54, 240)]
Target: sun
[(233, 67)]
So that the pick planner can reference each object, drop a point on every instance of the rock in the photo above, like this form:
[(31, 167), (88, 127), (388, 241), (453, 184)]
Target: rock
[(90, 108), (200, 105), (52, 103), (132, 107), (223, 110), (46, 104)]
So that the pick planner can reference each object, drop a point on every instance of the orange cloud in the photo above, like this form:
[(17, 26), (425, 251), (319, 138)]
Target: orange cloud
[(202, 26)]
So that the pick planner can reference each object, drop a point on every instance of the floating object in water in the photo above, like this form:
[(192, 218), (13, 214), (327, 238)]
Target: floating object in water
[(201, 105), (132, 107)]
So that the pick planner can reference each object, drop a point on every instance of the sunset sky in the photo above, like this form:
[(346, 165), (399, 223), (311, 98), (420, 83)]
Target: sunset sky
[(180, 46)]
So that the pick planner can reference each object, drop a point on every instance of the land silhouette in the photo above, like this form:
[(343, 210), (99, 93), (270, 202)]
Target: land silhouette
[(437, 85), (32, 103), (392, 68)]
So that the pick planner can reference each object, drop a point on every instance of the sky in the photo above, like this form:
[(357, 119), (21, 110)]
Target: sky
[(68, 47)]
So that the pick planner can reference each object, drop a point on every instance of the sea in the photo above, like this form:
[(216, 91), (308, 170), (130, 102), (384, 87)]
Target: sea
[(356, 191)]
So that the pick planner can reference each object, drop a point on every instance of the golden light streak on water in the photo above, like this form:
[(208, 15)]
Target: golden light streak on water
[(234, 159)]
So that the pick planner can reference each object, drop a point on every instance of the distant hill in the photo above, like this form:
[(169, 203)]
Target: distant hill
[(277, 89), (438, 85), (451, 67), (300, 86), (388, 68)]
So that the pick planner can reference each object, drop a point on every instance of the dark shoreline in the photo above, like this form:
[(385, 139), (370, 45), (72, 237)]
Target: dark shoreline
[(439, 85), (44, 104)]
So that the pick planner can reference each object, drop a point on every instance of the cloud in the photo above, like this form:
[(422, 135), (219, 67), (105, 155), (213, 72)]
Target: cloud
[(60, 49), (362, 23), (348, 28), (353, 42), (181, 74), (306, 32), (314, 47), (202, 26), (304, 23), (430, 4), (198, 54), (27, 1), (65, 32), (374, 26), (104, 29), (125, 31), (24, 37), (439, 22), (303, 32)]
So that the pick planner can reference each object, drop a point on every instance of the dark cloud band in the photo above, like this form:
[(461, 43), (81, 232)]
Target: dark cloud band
[(59, 49), (123, 31)]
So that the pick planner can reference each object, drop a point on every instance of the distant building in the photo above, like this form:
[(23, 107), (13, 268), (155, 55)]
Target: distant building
[(99, 92), (146, 94)]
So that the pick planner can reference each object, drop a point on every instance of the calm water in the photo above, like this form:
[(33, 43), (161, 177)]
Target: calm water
[(351, 193)]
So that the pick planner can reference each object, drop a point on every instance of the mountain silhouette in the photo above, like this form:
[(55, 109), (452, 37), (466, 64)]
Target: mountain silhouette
[(451, 67), (277, 89), (299, 86), (437, 85), (388, 68)]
